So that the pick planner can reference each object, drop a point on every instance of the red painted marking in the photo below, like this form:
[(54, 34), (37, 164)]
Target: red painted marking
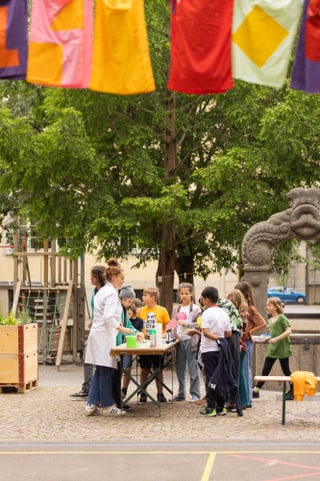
[(283, 463)]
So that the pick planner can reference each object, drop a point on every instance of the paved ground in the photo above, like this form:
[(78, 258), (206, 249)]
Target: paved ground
[(49, 414), (45, 431)]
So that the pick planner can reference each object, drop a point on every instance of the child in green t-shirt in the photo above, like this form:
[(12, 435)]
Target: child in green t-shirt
[(278, 344)]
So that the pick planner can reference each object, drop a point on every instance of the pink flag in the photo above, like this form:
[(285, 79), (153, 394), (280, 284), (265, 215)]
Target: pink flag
[(13, 39), (60, 43)]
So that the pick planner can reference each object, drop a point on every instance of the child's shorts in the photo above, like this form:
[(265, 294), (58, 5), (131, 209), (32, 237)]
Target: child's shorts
[(126, 361), (149, 362)]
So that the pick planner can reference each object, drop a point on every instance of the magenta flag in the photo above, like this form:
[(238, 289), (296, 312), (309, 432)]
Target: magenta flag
[(60, 43), (306, 68), (13, 39)]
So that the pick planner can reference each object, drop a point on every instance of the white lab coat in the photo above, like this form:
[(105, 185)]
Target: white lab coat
[(103, 333)]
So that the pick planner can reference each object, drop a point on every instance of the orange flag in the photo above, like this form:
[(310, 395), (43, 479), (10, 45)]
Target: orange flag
[(121, 61)]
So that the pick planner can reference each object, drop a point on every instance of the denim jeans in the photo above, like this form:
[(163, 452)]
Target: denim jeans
[(186, 357), (88, 374), (243, 385), (247, 369), (100, 392)]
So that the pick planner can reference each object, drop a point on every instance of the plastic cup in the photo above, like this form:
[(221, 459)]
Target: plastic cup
[(131, 341)]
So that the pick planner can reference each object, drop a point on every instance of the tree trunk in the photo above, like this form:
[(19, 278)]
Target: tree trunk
[(167, 254), (166, 266), (184, 268)]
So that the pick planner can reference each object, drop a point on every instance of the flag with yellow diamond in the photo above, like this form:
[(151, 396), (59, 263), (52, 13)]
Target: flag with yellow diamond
[(262, 39)]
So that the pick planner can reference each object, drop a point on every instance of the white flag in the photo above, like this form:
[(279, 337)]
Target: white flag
[(262, 39)]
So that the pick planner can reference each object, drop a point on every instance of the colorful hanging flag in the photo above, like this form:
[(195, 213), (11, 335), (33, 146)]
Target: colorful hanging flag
[(263, 35), (60, 43), (121, 61), (306, 68), (201, 46), (13, 39)]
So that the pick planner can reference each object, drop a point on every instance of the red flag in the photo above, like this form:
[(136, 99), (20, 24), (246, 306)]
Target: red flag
[(201, 46), (313, 31)]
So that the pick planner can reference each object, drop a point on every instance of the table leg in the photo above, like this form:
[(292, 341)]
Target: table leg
[(283, 421), (166, 364), (153, 375), (142, 388)]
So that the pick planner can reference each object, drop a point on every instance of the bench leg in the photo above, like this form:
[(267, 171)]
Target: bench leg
[(283, 421)]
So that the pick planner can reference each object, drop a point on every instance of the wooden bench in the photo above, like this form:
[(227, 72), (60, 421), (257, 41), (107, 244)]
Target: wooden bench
[(283, 380)]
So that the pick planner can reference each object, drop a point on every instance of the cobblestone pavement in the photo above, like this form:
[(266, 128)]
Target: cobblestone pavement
[(48, 414)]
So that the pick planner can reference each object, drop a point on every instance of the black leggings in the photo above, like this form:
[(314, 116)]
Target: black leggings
[(269, 362)]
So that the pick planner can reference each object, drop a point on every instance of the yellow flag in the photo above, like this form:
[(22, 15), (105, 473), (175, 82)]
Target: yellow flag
[(121, 60)]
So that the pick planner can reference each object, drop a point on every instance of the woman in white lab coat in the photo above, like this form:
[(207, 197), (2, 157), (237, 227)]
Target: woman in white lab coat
[(102, 337)]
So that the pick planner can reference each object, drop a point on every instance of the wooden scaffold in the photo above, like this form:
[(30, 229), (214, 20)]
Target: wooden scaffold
[(57, 303)]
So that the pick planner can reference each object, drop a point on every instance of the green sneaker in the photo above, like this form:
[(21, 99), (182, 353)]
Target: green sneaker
[(208, 412), (221, 411)]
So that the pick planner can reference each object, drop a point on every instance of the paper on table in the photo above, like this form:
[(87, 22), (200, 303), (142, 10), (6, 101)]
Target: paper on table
[(159, 334), (172, 324)]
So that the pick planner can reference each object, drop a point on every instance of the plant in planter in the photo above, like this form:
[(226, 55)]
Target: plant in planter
[(13, 320), (18, 352)]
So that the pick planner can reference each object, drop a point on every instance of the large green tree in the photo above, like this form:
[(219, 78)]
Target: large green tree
[(179, 178)]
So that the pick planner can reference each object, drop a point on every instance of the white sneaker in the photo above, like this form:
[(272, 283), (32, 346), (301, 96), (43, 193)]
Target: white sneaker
[(91, 410), (113, 411)]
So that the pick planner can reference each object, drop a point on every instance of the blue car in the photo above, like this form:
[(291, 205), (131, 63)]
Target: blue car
[(286, 294)]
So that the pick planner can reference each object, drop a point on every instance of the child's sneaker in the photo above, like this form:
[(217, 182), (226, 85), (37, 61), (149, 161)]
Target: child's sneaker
[(232, 408), (210, 412), (143, 397), (91, 410), (161, 398), (112, 411), (289, 395), (256, 392), (221, 411)]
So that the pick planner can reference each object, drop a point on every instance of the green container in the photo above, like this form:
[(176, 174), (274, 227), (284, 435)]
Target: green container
[(131, 341)]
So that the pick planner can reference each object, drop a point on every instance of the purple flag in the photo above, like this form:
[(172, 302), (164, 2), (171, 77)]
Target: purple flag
[(13, 39), (306, 69)]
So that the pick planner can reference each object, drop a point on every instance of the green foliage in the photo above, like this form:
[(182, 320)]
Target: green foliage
[(314, 249), (90, 169), (283, 255), (13, 320), (10, 320)]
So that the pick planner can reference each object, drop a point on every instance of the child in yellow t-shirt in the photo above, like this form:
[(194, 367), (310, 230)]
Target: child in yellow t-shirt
[(152, 313)]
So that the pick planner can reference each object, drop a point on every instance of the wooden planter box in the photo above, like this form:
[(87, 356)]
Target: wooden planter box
[(19, 357)]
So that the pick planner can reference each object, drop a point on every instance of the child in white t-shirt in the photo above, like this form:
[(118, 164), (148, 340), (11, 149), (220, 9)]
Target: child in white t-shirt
[(216, 326), (186, 314)]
